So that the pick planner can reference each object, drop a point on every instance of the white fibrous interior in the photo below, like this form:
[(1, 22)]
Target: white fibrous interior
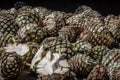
[(20, 49), (49, 64)]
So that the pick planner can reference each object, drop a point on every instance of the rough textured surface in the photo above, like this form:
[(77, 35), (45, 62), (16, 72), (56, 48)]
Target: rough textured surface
[(77, 45), (98, 73)]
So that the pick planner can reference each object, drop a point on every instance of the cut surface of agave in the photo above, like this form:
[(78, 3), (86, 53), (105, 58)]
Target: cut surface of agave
[(20, 49), (49, 64)]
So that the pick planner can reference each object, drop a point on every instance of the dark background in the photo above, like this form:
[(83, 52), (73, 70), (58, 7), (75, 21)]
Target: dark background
[(104, 7)]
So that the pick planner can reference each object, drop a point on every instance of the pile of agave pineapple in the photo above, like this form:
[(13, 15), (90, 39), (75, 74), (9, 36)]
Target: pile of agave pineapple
[(56, 45)]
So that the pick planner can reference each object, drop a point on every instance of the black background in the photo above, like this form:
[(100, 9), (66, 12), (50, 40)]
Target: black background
[(104, 7)]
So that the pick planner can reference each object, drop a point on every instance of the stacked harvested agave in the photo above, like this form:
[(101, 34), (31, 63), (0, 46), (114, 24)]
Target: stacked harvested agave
[(57, 45)]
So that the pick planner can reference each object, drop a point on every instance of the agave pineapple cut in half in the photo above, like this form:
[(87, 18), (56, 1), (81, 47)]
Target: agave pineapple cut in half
[(20, 49), (49, 63), (26, 51)]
